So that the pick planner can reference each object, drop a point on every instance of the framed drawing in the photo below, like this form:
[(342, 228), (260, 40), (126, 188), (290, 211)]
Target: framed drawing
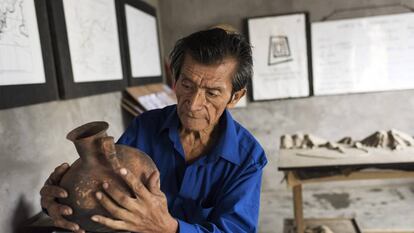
[(363, 54), (281, 56), (141, 42), (87, 47), (27, 73)]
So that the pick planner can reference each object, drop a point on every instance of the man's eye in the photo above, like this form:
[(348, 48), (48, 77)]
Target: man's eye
[(186, 86), (212, 93)]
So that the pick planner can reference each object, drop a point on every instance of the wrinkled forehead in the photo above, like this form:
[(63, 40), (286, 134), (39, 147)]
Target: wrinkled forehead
[(222, 70)]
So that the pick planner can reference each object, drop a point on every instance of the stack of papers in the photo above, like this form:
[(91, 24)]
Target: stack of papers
[(147, 97)]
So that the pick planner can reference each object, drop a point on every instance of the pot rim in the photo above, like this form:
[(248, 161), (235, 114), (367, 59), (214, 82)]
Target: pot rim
[(74, 134)]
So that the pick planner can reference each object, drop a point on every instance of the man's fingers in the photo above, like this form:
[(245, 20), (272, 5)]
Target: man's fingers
[(46, 201), (53, 191), (55, 208), (154, 183), (63, 223), (135, 184), (112, 208), (63, 209), (57, 174), (121, 198), (113, 224), (56, 211)]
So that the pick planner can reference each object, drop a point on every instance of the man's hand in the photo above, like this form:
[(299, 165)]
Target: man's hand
[(49, 192), (146, 212)]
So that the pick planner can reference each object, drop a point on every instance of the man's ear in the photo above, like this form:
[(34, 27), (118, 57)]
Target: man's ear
[(236, 97)]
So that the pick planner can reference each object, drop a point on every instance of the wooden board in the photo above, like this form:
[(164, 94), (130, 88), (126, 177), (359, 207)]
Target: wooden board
[(337, 225), (138, 91), (129, 109), (293, 179), (151, 96), (133, 105), (291, 159), (386, 231)]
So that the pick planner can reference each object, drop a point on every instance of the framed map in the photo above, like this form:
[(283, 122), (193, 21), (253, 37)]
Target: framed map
[(281, 56), (27, 74), (141, 41), (88, 47)]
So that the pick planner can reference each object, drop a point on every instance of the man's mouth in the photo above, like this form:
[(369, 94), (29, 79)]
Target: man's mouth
[(190, 115)]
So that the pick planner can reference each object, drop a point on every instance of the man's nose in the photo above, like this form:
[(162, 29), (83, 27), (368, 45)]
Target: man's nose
[(197, 101)]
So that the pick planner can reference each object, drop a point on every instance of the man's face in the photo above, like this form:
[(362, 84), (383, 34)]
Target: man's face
[(203, 92)]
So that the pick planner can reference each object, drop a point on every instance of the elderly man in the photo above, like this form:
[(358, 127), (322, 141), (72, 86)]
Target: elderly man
[(210, 166)]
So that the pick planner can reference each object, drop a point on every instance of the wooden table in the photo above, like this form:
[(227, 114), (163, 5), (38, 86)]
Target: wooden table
[(300, 161)]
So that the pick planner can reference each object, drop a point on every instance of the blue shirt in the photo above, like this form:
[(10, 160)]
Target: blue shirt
[(220, 191)]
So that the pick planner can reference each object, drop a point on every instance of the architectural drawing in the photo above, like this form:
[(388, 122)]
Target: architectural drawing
[(12, 18), (280, 56), (143, 43), (21, 59), (93, 40), (279, 50)]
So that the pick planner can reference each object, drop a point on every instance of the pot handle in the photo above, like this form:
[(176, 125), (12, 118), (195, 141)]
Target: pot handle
[(109, 150)]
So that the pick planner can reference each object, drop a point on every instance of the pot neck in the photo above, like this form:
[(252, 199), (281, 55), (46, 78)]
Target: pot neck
[(88, 139), (89, 149)]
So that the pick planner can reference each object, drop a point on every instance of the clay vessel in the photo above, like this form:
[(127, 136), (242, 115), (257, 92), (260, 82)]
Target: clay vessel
[(99, 156)]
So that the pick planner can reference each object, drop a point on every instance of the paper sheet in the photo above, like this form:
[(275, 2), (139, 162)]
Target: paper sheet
[(143, 43), (364, 54), (280, 56), (21, 60), (93, 40)]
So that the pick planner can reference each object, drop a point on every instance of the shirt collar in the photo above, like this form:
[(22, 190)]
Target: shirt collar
[(171, 121), (228, 143), (226, 146)]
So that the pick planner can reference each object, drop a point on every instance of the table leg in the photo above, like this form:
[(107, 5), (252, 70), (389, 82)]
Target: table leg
[(298, 208)]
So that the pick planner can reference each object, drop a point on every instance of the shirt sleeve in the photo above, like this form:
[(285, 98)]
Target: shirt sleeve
[(238, 208)]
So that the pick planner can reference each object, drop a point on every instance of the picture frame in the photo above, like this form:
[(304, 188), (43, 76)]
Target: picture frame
[(281, 56), (88, 47), (363, 54), (34, 81), (139, 24)]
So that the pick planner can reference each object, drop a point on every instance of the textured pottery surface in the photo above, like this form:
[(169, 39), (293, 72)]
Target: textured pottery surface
[(99, 156)]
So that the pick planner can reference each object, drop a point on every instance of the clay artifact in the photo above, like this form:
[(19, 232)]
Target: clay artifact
[(392, 139), (307, 141), (99, 156)]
